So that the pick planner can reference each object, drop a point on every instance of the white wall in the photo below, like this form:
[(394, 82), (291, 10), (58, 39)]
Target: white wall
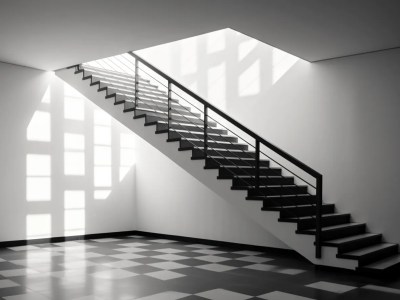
[(339, 116), (60, 161)]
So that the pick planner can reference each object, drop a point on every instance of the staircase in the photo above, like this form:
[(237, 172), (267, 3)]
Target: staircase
[(214, 148)]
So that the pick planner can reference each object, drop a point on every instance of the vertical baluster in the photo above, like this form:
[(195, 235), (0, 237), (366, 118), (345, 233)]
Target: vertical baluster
[(169, 105), (257, 181), (205, 130), (318, 246), (136, 82)]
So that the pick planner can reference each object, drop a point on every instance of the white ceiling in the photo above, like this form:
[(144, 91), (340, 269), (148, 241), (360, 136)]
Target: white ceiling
[(52, 34)]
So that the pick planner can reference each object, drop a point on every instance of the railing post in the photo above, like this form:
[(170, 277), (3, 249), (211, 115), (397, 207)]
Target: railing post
[(136, 82), (257, 181), (205, 130), (169, 105), (318, 238)]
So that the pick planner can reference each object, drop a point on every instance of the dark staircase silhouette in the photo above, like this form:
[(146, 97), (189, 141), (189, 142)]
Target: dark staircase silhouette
[(225, 150)]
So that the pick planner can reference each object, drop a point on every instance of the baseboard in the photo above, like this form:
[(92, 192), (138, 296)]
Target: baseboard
[(65, 238)]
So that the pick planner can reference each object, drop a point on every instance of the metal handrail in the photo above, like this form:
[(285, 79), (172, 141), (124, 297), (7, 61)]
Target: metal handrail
[(271, 146)]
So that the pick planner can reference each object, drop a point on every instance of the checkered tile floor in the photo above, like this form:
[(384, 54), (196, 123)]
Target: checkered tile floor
[(144, 268)]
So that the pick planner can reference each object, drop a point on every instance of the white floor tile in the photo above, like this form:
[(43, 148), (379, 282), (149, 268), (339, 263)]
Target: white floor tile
[(163, 241), (78, 264), (113, 274), (127, 256), (212, 259), (165, 296), (170, 257), (216, 267), (331, 287), (221, 294), (208, 251), (168, 265), (289, 271), (169, 250), (106, 240), (165, 275), (133, 244), (261, 267), (122, 264), (130, 250), (282, 296)]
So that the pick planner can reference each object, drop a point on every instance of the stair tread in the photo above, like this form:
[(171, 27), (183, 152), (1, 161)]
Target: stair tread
[(313, 217), (292, 185), (327, 228), (296, 206), (367, 250), (351, 238), (384, 263)]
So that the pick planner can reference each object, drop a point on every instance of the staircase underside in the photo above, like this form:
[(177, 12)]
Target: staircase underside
[(283, 208)]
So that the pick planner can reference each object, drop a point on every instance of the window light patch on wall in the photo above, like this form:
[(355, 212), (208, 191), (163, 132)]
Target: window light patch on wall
[(39, 128), (38, 226)]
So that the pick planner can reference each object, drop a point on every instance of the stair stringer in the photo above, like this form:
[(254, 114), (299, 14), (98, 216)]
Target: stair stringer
[(303, 244)]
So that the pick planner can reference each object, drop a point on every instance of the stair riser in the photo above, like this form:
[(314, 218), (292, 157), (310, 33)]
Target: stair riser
[(102, 74), (343, 232), (328, 221), (117, 98), (198, 129), (143, 90), (189, 121), (94, 77), (162, 107), (304, 211), (278, 191), (116, 82), (296, 190), (198, 154), (263, 181), (216, 162), (232, 172), (131, 94), (200, 137), (164, 114), (360, 244), (200, 144), (288, 201)]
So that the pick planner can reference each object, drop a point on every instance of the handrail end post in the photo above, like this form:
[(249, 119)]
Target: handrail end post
[(169, 108), (205, 131), (257, 166), (136, 82), (318, 232)]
